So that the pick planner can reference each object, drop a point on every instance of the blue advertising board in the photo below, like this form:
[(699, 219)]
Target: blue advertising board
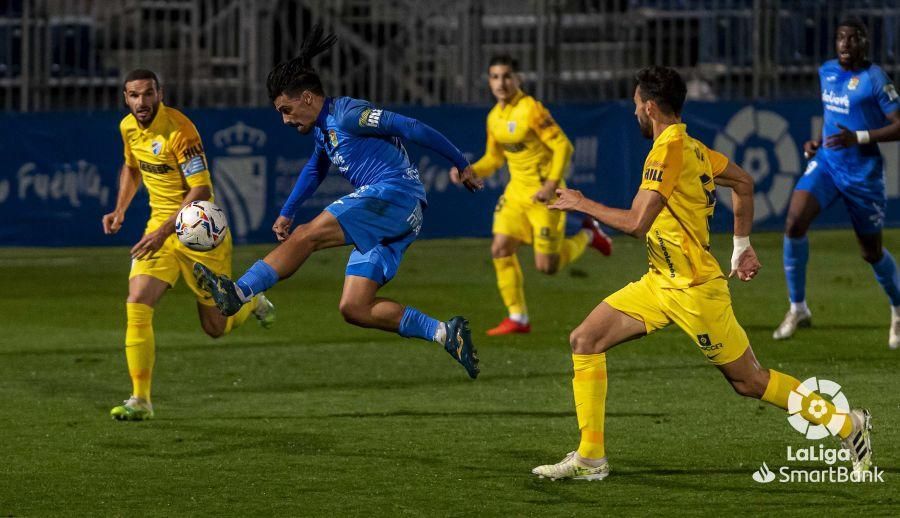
[(60, 171)]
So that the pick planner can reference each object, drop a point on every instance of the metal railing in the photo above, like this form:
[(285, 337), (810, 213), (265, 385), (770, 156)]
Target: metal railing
[(72, 54)]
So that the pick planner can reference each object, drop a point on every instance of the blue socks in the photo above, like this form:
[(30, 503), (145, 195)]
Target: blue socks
[(796, 255), (416, 324), (257, 279), (887, 276)]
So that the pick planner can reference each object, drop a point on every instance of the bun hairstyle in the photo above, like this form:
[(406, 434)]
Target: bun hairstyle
[(294, 76)]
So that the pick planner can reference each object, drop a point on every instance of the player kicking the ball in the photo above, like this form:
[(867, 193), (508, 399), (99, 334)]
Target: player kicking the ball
[(164, 152), (684, 285), (861, 109), (381, 218)]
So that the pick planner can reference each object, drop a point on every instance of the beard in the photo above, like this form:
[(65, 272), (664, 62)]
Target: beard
[(146, 115), (646, 127)]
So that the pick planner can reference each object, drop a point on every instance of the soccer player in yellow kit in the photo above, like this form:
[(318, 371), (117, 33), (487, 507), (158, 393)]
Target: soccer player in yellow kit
[(164, 152), (522, 133), (684, 285)]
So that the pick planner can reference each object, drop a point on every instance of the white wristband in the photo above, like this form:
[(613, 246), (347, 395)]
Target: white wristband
[(741, 244), (863, 137)]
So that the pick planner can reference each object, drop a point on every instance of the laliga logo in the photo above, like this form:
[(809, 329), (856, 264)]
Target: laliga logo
[(799, 402), (241, 176), (772, 129)]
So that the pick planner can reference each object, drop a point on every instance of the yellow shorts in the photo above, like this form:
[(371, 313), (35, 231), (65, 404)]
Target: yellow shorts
[(174, 260), (703, 312), (531, 223)]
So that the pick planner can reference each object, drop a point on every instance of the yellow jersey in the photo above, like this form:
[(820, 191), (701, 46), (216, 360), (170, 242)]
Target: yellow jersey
[(523, 134), (681, 169), (170, 157)]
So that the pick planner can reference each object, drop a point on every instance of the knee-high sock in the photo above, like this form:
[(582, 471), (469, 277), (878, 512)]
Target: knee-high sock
[(573, 247), (140, 347), (887, 276), (235, 321), (779, 390), (415, 324), (589, 386), (796, 255), (511, 283)]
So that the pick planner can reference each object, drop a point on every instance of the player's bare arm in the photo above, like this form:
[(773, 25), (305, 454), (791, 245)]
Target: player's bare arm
[(848, 138), (635, 221), (153, 241), (744, 262), (129, 182)]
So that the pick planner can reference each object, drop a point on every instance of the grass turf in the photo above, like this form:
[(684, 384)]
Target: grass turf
[(316, 416)]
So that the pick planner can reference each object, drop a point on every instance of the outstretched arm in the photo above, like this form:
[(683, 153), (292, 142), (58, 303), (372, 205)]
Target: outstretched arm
[(311, 176), (635, 221)]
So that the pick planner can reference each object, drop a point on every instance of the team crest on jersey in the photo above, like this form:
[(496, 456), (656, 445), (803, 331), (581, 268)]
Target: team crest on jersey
[(156, 147), (854, 82), (511, 126), (332, 136)]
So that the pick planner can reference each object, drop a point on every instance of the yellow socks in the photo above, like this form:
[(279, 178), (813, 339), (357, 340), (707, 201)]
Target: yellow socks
[(779, 389), (140, 348), (511, 284), (572, 248), (235, 321), (589, 386)]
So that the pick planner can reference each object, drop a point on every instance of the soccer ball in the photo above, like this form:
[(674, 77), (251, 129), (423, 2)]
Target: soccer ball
[(201, 225)]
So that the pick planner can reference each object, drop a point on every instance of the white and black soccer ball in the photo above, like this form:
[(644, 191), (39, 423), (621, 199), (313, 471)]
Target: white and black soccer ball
[(201, 225)]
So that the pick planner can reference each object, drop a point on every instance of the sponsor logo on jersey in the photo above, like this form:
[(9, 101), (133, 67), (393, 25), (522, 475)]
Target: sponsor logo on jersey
[(154, 168), (891, 92), (193, 151), (514, 148), (370, 117), (854, 82), (156, 147), (836, 103), (832, 78), (653, 174), (332, 137)]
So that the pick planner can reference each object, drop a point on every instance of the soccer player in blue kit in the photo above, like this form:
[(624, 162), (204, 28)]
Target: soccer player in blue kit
[(381, 218), (861, 109)]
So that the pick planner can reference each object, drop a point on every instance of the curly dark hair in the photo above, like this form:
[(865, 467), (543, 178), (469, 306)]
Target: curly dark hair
[(662, 85), (295, 75)]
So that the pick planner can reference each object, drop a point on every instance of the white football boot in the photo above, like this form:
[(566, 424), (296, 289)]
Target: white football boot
[(791, 322), (264, 311), (572, 467), (859, 442), (894, 337)]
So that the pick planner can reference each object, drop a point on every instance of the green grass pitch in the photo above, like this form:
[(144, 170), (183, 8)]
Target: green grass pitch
[(317, 417)]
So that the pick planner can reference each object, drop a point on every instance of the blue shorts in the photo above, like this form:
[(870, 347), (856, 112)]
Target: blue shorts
[(865, 203), (381, 222)]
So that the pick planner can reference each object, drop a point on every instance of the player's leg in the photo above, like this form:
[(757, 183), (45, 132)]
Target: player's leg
[(322, 232), (814, 191), (144, 291), (511, 284), (749, 379), (627, 314), (510, 230), (867, 214)]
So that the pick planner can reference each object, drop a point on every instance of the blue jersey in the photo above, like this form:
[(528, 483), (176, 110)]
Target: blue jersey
[(858, 100), (365, 144)]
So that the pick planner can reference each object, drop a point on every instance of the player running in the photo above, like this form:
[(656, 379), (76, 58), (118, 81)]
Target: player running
[(522, 133), (164, 152), (381, 218), (684, 285), (861, 109)]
